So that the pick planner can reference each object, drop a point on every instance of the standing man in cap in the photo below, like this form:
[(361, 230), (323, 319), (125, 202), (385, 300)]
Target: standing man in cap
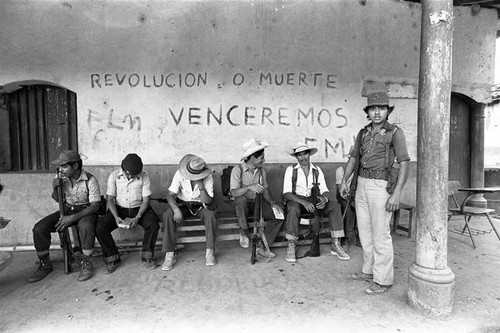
[(128, 196), (375, 148), (297, 186), (248, 179), (190, 194), (82, 196)]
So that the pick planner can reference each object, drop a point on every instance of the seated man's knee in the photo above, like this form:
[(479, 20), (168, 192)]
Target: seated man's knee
[(293, 208)]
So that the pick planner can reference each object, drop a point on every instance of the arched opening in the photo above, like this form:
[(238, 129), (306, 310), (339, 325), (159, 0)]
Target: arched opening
[(42, 121)]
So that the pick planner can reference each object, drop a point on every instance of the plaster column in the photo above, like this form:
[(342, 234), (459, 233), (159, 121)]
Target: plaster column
[(430, 281), (477, 154)]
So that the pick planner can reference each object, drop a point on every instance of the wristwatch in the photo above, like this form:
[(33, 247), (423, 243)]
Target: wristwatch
[(326, 198)]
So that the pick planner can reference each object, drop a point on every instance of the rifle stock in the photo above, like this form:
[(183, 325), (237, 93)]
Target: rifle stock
[(314, 250), (255, 236)]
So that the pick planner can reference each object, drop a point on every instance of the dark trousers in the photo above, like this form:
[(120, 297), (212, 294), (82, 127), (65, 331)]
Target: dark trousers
[(294, 210), (242, 206), (170, 231), (148, 221), (43, 229), (350, 223)]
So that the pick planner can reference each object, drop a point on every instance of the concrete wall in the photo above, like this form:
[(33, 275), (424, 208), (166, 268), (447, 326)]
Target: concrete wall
[(164, 78)]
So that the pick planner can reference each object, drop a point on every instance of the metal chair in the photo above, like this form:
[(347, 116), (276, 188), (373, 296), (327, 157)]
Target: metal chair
[(467, 212)]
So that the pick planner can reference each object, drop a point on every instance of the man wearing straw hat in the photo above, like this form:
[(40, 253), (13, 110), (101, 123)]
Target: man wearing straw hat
[(128, 194), (190, 194), (297, 192), (248, 179)]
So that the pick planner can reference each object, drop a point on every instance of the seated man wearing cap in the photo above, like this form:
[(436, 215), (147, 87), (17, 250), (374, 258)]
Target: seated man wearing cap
[(190, 194), (82, 198), (128, 196), (299, 200), (248, 179)]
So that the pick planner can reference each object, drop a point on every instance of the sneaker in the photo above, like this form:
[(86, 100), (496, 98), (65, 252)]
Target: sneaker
[(43, 270), (149, 263), (376, 289), (265, 253), (210, 257), (362, 277), (169, 262), (112, 266), (290, 252), (244, 240), (86, 269), (338, 251)]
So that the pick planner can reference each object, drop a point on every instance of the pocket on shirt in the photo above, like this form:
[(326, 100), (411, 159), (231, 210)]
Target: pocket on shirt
[(135, 192)]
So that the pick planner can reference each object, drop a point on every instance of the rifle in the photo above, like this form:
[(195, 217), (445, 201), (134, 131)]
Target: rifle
[(314, 250), (64, 240), (258, 226)]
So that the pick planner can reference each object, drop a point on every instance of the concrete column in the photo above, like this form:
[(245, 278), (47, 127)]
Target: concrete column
[(430, 281), (477, 154)]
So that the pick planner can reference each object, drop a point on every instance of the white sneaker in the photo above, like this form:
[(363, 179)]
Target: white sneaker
[(244, 240), (210, 257), (290, 252), (338, 251), (265, 253), (169, 262)]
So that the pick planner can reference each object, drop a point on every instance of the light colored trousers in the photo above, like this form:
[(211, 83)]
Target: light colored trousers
[(374, 229)]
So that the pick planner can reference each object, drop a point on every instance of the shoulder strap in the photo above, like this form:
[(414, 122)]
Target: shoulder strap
[(89, 175), (388, 144), (294, 180)]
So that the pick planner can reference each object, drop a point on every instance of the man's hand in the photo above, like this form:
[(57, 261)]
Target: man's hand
[(133, 222), (177, 215), (56, 182), (64, 222), (308, 206), (322, 202), (257, 188), (118, 220), (344, 190), (393, 202)]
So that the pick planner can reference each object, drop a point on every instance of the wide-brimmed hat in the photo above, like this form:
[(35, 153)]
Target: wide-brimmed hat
[(133, 164), (252, 146), (378, 98), (301, 147), (67, 156), (193, 167)]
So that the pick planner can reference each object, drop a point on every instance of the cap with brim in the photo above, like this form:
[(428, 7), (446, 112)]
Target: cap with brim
[(252, 146), (378, 98), (193, 167), (301, 147), (67, 156)]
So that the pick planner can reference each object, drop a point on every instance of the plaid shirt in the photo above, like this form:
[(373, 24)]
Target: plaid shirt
[(241, 177), (83, 191)]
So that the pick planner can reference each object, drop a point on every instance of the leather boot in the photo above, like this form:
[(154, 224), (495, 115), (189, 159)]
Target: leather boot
[(43, 270), (86, 269)]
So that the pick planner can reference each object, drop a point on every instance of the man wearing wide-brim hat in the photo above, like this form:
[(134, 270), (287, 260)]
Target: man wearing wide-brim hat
[(190, 194), (247, 180), (82, 197), (128, 194), (299, 182), (378, 192)]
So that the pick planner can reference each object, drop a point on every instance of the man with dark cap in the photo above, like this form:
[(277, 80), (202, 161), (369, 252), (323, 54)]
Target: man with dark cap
[(82, 198), (128, 196), (378, 193), (297, 189), (190, 194)]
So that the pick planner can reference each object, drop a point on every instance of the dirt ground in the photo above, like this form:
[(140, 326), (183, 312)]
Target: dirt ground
[(235, 296)]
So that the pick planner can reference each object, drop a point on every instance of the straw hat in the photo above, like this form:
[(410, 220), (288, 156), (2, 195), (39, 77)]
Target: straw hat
[(193, 167), (252, 146)]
